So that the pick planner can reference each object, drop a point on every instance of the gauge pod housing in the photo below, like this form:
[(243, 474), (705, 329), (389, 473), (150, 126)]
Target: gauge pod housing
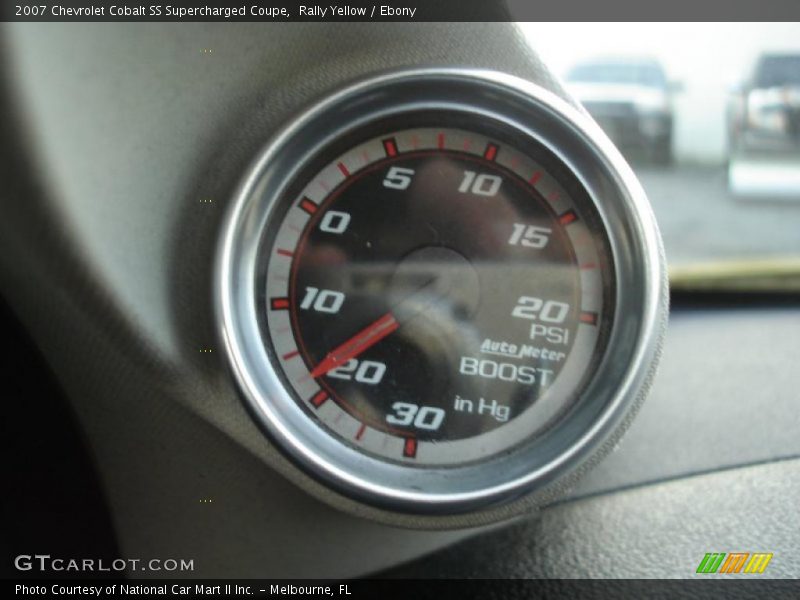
[(442, 294)]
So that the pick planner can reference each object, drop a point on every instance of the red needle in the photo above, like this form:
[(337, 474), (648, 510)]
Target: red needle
[(367, 337)]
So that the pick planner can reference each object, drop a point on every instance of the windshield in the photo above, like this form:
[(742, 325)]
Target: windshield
[(715, 139)]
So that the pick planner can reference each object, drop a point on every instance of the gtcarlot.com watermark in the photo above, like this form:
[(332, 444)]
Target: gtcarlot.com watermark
[(44, 563)]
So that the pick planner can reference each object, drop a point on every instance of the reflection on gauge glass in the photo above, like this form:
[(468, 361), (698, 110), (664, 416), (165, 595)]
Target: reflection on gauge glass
[(434, 296)]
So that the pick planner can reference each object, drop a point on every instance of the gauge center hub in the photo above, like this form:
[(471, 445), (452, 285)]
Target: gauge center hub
[(446, 277)]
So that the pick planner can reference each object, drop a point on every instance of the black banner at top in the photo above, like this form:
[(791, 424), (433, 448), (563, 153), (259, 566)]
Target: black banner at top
[(397, 10), (254, 10)]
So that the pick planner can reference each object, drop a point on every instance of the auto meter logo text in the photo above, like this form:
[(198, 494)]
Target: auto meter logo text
[(734, 562)]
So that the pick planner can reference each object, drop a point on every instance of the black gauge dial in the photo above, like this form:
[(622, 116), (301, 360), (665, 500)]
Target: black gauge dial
[(430, 286)]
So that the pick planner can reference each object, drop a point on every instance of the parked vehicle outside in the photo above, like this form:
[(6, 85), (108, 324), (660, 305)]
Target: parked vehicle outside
[(764, 129), (631, 99), (764, 114)]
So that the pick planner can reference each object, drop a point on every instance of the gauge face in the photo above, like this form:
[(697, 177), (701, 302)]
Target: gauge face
[(435, 296)]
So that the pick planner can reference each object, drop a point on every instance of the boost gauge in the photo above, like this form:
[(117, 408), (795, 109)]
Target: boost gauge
[(441, 292)]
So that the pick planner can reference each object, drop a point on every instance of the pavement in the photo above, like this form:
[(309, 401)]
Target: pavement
[(702, 221)]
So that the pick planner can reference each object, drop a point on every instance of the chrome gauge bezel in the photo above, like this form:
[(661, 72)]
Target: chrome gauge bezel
[(630, 352)]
